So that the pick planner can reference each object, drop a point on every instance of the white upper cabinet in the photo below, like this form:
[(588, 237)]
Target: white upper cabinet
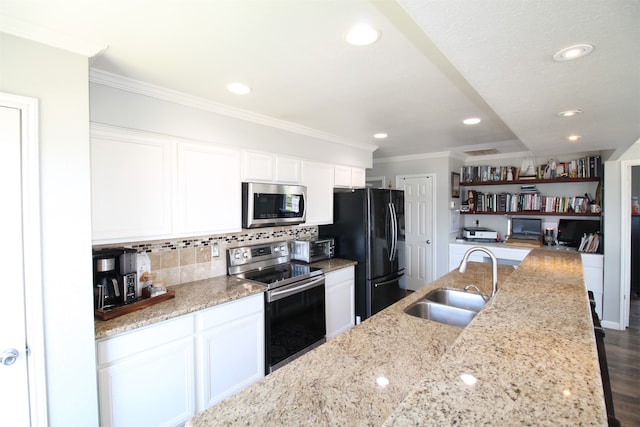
[(209, 197), (318, 178), (265, 167), (287, 170), (132, 175), (146, 186), (349, 177)]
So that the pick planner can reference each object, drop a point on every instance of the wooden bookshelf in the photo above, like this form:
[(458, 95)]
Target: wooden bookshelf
[(529, 181)]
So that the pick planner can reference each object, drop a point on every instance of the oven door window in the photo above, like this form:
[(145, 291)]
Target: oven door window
[(294, 323)]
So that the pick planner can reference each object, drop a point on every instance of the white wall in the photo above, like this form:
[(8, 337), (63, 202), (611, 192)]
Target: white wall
[(441, 166), (123, 108), (613, 236), (60, 81)]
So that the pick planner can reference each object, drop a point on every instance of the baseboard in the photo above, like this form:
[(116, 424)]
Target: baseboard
[(611, 325)]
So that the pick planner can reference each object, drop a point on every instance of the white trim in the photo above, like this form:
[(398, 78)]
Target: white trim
[(625, 244), (40, 34), (32, 254), (147, 89)]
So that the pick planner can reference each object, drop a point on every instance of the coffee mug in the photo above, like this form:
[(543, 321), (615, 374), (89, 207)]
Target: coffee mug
[(595, 208)]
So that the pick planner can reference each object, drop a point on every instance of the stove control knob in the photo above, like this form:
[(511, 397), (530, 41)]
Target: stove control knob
[(283, 248), (245, 255), (236, 255)]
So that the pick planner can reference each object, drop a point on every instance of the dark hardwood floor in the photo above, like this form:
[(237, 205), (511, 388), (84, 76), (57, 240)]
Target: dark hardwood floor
[(623, 357)]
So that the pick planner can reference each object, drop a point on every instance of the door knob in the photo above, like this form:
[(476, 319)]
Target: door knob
[(428, 242), (8, 356)]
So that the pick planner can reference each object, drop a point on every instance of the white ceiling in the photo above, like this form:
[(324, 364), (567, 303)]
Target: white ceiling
[(436, 63)]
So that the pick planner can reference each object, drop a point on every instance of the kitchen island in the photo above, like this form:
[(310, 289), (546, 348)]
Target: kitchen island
[(531, 350)]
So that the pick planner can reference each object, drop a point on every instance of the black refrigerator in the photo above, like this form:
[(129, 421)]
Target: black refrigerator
[(368, 227)]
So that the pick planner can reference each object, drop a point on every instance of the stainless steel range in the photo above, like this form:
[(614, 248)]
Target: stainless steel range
[(294, 300)]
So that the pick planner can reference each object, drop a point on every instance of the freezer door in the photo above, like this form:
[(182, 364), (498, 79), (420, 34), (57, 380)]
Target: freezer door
[(382, 256), (385, 291)]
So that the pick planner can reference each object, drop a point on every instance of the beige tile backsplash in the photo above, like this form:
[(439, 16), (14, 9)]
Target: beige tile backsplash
[(184, 260)]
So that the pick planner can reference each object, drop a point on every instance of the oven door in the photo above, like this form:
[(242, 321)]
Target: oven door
[(295, 321)]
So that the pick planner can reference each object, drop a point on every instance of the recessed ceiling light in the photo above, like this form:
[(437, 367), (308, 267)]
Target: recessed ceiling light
[(471, 121), (573, 52), (569, 113), (380, 135), (239, 88), (573, 138), (362, 35)]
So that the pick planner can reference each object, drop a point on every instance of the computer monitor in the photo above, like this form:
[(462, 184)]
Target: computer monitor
[(526, 226), (570, 231)]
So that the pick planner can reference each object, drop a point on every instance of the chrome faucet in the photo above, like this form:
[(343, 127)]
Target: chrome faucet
[(494, 265)]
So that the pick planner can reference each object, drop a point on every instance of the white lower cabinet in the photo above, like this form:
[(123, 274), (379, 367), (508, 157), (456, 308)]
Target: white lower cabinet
[(504, 254), (230, 349), (146, 377), (340, 301), (592, 267), (163, 374)]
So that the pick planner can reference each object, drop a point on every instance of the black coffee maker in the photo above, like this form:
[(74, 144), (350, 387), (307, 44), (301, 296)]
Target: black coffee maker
[(114, 277)]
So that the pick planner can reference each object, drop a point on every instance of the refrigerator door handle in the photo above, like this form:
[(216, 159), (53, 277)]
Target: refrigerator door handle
[(390, 230), (394, 232), (386, 282)]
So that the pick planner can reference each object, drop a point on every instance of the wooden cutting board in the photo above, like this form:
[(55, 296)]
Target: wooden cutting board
[(134, 306)]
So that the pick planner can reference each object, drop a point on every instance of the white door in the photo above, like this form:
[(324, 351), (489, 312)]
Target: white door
[(418, 201), (14, 390)]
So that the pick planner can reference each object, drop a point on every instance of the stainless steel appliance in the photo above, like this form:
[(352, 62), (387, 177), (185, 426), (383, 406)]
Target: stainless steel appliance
[(312, 250), (295, 320), (368, 227), (268, 205), (114, 277)]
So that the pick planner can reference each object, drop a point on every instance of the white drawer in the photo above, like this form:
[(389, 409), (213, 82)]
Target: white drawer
[(229, 311), (114, 348), (341, 275)]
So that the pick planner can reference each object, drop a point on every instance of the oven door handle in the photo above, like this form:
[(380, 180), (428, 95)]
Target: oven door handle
[(277, 294)]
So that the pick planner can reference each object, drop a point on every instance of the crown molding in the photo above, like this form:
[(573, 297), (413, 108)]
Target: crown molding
[(27, 30), (147, 89)]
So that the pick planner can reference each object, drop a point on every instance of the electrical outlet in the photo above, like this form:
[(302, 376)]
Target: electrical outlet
[(215, 250)]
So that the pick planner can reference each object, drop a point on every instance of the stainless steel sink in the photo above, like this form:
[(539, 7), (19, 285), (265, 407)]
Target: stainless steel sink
[(455, 307), (441, 313), (457, 298)]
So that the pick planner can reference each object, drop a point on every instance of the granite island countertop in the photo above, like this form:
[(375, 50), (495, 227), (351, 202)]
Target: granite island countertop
[(531, 349), (194, 296)]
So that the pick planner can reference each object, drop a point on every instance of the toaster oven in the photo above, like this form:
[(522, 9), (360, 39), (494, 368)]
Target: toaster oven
[(312, 250)]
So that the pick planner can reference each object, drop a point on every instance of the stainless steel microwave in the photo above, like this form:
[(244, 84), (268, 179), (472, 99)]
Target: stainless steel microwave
[(269, 205)]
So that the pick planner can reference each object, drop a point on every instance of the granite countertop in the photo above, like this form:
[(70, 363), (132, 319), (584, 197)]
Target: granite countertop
[(531, 349), (194, 296), (329, 265), (190, 297)]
